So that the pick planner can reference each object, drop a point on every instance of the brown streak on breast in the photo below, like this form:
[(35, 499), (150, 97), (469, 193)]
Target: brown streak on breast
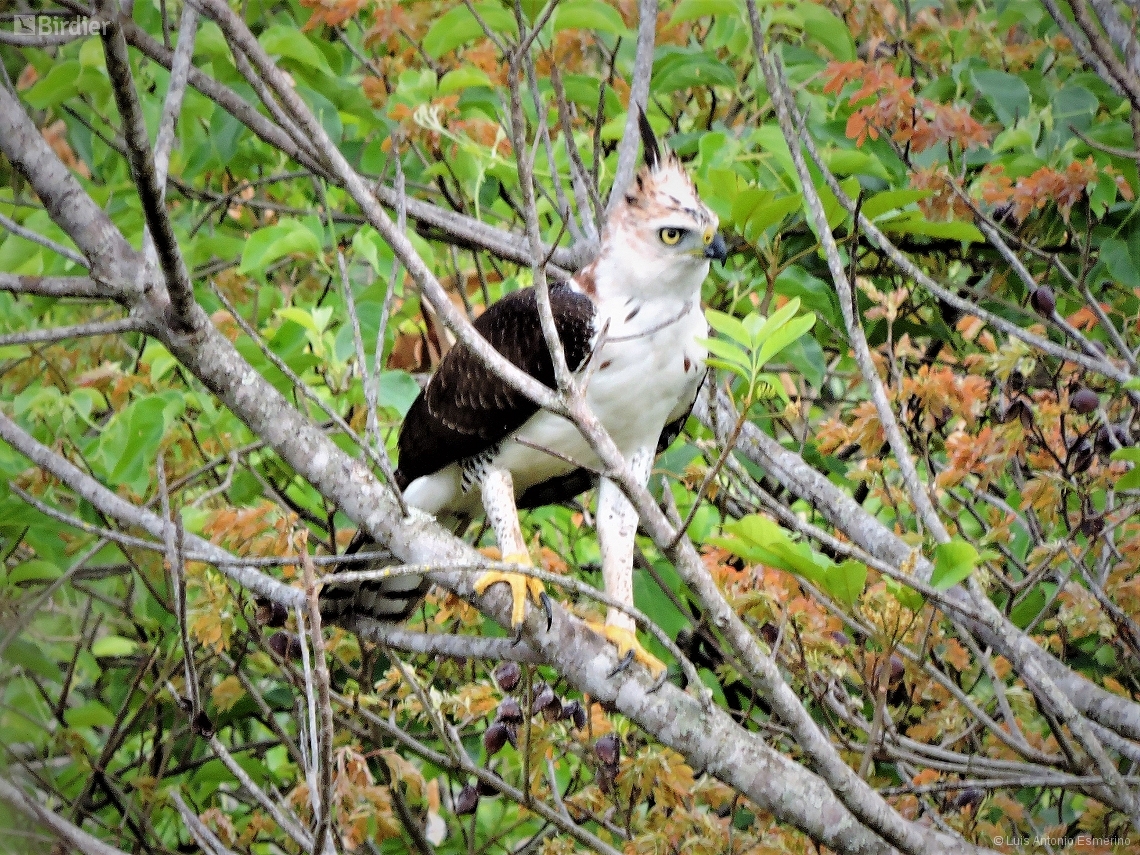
[(586, 281), (688, 364)]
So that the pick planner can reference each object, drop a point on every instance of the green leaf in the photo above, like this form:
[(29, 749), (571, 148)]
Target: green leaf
[(31, 657), (685, 68), (808, 358), (1013, 139), (691, 10), (144, 422), (849, 161), (464, 77), (953, 562), (458, 26), (58, 85), (113, 645), (267, 245), (1007, 94), (1117, 257), (288, 42), (769, 213), (728, 326), (891, 200), (1031, 605), (846, 581), (913, 223), (1130, 480), (588, 15), (823, 27), (398, 390), (1073, 107), (35, 570), (908, 597), (90, 714)]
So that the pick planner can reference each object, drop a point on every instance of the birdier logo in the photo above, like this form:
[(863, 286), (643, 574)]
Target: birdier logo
[(60, 24)]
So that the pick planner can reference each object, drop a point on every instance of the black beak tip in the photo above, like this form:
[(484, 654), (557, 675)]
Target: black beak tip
[(718, 249)]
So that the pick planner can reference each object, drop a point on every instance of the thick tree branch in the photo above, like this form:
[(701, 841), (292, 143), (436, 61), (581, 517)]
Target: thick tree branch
[(79, 287)]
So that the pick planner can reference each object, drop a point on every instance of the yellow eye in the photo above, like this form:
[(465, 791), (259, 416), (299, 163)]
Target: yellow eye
[(670, 236)]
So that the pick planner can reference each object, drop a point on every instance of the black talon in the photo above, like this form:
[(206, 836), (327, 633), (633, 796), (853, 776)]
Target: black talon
[(622, 665), (544, 598), (659, 682), (517, 637)]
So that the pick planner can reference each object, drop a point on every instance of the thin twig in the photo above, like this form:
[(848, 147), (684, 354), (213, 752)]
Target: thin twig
[(123, 325), (322, 838), (35, 237)]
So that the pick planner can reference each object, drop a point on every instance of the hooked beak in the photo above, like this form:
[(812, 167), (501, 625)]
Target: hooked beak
[(718, 249)]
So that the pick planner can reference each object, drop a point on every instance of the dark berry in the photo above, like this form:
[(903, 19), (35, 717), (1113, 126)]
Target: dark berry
[(1043, 301), (509, 711), (271, 614), (1092, 526), (485, 789), (467, 800), (576, 713), (1084, 400), (285, 645), (543, 698), (495, 737), (970, 797), (608, 749), (897, 668), (507, 675)]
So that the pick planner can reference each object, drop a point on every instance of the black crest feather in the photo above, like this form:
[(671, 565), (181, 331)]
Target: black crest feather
[(648, 140)]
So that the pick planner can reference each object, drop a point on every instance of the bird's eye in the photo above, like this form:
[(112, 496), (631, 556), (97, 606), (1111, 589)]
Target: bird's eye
[(670, 236)]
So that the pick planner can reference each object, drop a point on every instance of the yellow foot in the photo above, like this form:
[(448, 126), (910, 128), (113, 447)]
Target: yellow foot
[(625, 640), (521, 586)]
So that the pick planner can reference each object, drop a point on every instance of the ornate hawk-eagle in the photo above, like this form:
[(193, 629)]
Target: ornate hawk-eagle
[(631, 323)]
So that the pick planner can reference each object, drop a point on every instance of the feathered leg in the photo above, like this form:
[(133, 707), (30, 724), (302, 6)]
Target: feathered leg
[(617, 528), (498, 494)]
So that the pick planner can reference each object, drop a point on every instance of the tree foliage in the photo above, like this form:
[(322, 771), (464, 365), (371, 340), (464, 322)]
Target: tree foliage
[(893, 559)]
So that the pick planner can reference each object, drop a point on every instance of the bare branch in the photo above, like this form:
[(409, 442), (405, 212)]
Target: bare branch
[(638, 94), (777, 88), (322, 838), (445, 645), (27, 234), (73, 835), (131, 515), (111, 258), (172, 107), (79, 287), (1103, 48), (179, 288), (201, 833), (123, 325)]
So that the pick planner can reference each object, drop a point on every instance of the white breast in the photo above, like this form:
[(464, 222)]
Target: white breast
[(645, 375)]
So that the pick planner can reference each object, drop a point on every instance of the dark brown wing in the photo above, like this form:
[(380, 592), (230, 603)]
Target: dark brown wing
[(466, 408)]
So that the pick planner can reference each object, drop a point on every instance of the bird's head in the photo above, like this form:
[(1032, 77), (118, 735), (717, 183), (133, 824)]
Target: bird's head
[(660, 238)]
